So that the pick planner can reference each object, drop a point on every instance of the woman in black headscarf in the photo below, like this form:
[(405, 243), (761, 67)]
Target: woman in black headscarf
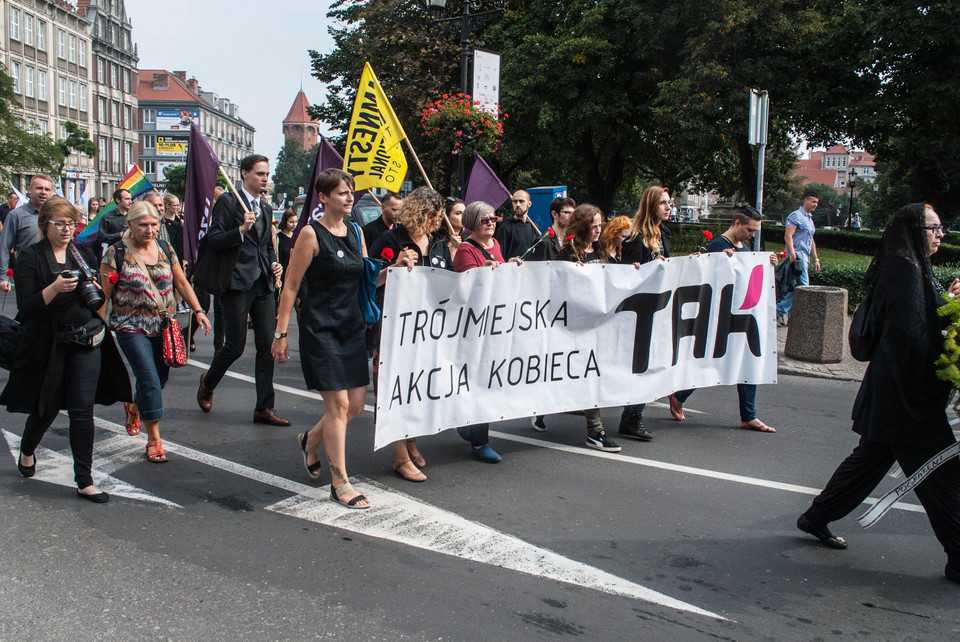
[(899, 412)]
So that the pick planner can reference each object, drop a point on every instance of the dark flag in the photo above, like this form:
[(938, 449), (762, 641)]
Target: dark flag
[(202, 167), (327, 158), (485, 186)]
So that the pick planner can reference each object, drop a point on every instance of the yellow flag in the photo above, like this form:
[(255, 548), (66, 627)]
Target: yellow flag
[(374, 157)]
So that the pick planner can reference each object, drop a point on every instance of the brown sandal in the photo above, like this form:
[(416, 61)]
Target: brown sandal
[(416, 477), (745, 425), (676, 408)]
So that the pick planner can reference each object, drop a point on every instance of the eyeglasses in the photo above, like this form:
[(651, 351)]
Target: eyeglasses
[(933, 228), (62, 225), (489, 219)]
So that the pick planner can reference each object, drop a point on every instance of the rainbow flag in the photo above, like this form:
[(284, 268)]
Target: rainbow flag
[(134, 182)]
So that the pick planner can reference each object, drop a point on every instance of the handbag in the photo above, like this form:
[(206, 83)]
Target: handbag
[(9, 337), (367, 292), (172, 346), (864, 335)]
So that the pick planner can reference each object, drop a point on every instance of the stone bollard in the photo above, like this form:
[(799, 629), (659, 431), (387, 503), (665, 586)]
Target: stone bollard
[(817, 329)]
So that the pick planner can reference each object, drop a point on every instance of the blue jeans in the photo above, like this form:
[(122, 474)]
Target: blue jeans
[(477, 434), (786, 303), (149, 371), (748, 400), (636, 409)]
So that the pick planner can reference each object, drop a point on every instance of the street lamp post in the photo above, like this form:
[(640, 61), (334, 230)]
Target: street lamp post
[(851, 180), (467, 22)]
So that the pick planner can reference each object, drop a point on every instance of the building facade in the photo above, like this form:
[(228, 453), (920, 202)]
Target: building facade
[(114, 92), (833, 167), (298, 124), (47, 51), (168, 103)]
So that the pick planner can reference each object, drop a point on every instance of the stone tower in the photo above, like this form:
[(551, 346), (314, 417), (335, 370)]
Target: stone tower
[(298, 124)]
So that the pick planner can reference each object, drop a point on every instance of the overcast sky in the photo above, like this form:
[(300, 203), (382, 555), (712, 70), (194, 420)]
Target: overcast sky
[(208, 39)]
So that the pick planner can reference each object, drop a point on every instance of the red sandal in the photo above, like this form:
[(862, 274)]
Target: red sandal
[(158, 456), (676, 408), (133, 427)]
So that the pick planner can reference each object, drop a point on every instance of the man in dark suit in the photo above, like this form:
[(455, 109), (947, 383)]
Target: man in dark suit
[(246, 224)]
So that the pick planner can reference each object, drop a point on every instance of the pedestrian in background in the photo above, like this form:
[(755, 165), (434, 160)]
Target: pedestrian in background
[(798, 237)]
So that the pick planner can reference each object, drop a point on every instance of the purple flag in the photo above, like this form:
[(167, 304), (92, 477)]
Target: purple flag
[(327, 158), (202, 166), (484, 185)]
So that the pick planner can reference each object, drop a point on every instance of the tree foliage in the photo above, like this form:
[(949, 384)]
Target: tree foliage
[(177, 181), (77, 141), (294, 169), (20, 150)]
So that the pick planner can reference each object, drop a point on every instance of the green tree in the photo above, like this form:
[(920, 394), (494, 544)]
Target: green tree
[(294, 169), (177, 181), (77, 141), (20, 150)]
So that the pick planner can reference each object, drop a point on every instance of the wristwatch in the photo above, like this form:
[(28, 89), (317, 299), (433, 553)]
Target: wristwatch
[(279, 335)]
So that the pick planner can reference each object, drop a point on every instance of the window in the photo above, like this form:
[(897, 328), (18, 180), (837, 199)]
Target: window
[(73, 94), (63, 132), (115, 112), (83, 53), (43, 128), (149, 116), (15, 74), (149, 167), (113, 35), (28, 82), (83, 97), (72, 48), (62, 91), (126, 80), (41, 35), (102, 109), (113, 76), (14, 23), (128, 153), (42, 85), (27, 29), (100, 72), (149, 141), (126, 116), (61, 43), (102, 154), (115, 160)]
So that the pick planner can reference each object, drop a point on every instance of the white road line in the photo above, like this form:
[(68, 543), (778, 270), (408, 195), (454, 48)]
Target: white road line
[(400, 518), (638, 461), (57, 468)]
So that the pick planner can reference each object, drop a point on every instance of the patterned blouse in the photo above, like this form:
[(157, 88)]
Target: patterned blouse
[(133, 306)]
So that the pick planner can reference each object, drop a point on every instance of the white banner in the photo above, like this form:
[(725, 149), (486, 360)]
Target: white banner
[(486, 80), (491, 345)]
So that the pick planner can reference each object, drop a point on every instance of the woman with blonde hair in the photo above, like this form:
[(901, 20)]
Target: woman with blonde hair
[(141, 273), (414, 239), (649, 239)]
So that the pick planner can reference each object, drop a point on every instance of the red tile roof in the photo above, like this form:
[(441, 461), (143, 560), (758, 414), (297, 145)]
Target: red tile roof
[(176, 88), (838, 149), (298, 111)]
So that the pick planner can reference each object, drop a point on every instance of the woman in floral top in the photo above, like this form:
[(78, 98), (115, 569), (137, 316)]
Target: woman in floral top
[(136, 316)]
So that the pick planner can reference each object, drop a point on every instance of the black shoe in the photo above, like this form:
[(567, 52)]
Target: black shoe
[(99, 498), (601, 442), (27, 471), (632, 426), (537, 423), (822, 533)]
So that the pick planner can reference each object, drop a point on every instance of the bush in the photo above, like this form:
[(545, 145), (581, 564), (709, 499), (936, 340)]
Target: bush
[(850, 278)]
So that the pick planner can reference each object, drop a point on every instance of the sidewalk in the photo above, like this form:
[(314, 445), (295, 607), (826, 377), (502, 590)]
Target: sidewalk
[(847, 370)]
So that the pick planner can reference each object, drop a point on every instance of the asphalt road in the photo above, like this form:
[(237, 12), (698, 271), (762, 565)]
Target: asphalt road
[(688, 537)]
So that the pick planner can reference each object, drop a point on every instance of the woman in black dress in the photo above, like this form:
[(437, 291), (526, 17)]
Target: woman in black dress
[(899, 410), (332, 351)]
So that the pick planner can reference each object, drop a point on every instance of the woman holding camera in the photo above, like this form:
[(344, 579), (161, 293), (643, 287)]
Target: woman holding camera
[(135, 268), (65, 358)]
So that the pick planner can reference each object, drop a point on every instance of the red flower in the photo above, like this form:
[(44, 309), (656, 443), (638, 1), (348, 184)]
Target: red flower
[(569, 240), (708, 234), (114, 277), (783, 254), (9, 272), (550, 233), (387, 254)]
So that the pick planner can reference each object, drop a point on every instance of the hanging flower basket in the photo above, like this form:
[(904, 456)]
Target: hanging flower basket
[(456, 125)]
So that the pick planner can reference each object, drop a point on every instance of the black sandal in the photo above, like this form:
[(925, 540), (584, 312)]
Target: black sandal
[(336, 493), (822, 533), (313, 470)]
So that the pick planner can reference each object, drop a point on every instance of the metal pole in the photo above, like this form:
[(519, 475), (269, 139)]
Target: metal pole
[(464, 80), (760, 154)]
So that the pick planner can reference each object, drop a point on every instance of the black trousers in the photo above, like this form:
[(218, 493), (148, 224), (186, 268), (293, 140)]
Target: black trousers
[(81, 369), (204, 298), (259, 303), (866, 466)]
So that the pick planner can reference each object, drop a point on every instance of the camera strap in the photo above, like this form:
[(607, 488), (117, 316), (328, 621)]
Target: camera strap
[(52, 263), (75, 253)]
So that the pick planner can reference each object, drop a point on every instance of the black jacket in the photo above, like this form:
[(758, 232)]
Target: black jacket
[(112, 226), (32, 386), (254, 251), (634, 251)]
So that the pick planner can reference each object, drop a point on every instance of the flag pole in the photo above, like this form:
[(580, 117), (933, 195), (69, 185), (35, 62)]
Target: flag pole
[(233, 189), (446, 220)]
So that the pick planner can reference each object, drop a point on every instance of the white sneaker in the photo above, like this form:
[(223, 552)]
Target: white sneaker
[(782, 319), (537, 422)]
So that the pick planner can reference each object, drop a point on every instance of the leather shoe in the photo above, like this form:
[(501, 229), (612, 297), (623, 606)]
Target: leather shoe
[(204, 395), (269, 417), (821, 532)]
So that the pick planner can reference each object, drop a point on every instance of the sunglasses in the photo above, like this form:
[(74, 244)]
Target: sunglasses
[(489, 219)]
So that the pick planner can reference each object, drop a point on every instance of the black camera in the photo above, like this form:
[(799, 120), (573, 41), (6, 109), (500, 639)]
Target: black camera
[(87, 290)]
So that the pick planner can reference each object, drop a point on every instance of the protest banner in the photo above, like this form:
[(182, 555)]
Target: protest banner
[(373, 154), (538, 338)]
